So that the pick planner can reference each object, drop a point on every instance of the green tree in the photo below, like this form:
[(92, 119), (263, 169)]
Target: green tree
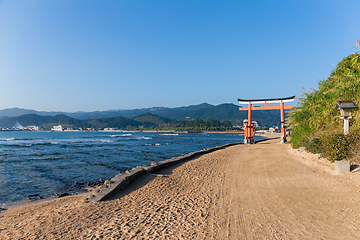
[(227, 125)]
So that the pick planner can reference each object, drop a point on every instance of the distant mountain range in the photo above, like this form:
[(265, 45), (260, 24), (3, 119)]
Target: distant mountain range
[(222, 112), (15, 112)]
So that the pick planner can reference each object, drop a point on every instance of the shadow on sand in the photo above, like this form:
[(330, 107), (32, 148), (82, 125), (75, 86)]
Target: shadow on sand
[(354, 168), (145, 179)]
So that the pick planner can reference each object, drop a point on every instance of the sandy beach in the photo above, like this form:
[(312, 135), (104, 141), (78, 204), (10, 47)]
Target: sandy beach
[(261, 191)]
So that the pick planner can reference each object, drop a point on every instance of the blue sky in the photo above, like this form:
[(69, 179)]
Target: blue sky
[(88, 55)]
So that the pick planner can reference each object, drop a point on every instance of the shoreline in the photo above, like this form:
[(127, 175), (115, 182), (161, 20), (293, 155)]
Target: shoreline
[(130, 131), (30, 140), (18, 204), (100, 188), (240, 132)]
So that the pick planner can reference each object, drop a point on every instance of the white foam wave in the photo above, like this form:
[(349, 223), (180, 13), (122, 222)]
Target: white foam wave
[(122, 135), (144, 138), (7, 139)]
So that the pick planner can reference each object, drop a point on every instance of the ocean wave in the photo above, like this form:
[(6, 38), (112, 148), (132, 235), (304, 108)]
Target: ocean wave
[(122, 135), (23, 139), (6, 139), (49, 158), (45, 143), (20, 145), (36, 154), (76, 142), (144, 138), (170, 134), (30, 144), (152, 144)]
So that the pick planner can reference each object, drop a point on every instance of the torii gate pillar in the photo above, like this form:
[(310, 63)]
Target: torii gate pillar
[(248, 127)]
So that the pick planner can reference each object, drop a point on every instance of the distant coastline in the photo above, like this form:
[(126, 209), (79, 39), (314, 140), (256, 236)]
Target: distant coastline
[(239, 133)]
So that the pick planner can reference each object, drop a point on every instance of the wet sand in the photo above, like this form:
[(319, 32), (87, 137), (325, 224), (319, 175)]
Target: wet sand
[(261, 191)]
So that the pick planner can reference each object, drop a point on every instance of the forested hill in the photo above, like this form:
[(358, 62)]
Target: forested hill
[(46, 122), (222, 112)]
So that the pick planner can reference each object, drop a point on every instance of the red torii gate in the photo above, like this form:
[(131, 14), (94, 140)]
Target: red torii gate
[(248, 127)]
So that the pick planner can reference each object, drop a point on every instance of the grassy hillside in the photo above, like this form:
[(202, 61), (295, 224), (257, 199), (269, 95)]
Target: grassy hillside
[(316, 125)]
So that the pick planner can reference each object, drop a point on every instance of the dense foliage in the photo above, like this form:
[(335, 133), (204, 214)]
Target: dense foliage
[(205, 125), (316, 125)]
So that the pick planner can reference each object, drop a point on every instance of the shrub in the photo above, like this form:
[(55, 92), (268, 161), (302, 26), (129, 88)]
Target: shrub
[(353, 152), (315, 145), (337, 145)]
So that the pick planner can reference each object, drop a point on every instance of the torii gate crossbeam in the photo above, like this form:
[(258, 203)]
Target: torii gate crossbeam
[(248, 127)]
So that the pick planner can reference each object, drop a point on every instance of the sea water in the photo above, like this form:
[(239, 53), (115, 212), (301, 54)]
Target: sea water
[(46, 163)]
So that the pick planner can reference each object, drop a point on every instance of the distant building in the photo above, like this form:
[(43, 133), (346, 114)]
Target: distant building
[(273, 129), (71, 130), (18, 126), (57, 128), (33, 128), (109, 129), (254, 123)]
